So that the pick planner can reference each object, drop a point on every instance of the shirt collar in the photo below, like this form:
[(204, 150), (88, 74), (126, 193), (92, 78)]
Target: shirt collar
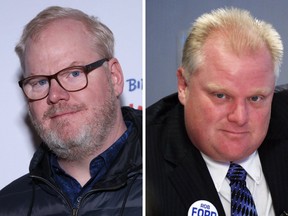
[(218, 170), (106, 158), (252, 165), (111, 153)]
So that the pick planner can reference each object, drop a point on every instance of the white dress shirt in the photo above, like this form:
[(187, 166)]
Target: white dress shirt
[(255, 182)]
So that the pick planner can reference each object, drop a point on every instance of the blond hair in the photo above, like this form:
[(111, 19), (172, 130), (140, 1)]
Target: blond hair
[(241, 31)]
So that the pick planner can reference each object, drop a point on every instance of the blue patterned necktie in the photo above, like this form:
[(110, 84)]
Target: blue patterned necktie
[(242, 203)]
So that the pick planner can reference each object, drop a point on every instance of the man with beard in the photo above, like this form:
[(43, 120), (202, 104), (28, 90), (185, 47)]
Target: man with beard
[(90, 159)]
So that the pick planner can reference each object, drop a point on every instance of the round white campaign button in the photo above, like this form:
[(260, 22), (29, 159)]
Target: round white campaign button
[(202, 208)]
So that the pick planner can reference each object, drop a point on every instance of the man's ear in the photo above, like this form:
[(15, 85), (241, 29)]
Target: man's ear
[(182, 85), (117, 77)]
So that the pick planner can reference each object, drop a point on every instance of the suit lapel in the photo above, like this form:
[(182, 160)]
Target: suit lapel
[(274, 159), (188, 174)]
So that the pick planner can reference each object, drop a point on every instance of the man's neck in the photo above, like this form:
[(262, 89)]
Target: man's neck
[(80, 169)]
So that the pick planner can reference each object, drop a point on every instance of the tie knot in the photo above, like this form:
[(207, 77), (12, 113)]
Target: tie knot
[(236, 173)]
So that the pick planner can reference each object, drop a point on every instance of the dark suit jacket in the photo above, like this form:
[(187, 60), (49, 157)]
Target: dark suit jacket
[(176, 174)]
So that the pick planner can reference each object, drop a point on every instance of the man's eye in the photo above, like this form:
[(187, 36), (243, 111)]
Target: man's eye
[(42, 82), (38, 82), (220, 95), (256, 98), (75, 73)]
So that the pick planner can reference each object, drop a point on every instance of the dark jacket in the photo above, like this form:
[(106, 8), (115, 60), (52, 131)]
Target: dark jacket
[(118, 193), (176, 173)]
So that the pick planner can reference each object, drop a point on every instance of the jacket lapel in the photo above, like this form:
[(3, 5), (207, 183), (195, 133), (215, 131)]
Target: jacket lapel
[(274, 160), (188, 172)]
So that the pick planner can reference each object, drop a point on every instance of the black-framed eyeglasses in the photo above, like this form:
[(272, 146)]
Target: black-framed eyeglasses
[(71, 79)]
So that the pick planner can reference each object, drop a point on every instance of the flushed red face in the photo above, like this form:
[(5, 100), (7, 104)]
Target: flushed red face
[(228, 101), (71, 117)]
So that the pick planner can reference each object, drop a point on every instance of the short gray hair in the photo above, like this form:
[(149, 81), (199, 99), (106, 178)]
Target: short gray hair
[(101, 36)]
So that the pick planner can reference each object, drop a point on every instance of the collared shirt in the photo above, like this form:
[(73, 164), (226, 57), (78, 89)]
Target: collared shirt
[(98, 168), (255, 182)]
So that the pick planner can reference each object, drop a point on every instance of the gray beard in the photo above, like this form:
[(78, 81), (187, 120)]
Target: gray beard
[(89, 137)]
